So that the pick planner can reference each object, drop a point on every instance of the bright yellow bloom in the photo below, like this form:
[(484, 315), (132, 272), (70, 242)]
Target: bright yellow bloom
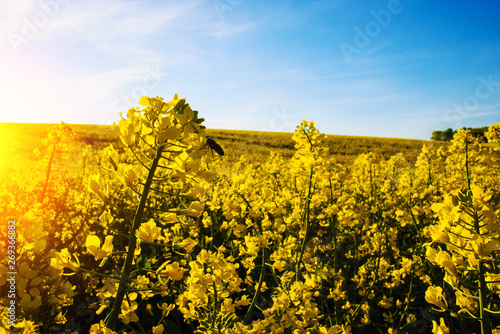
[(129, 176), (93, 244), (465, 302), (149, 231), (441, 328), (128, 312), (173, 271), (434, 295), (63, 260), (493, 133), (169, 217), (195, 209), (386, 302), (483, 248), (158, 329), (106, 218), (101, 328), (444, 259), (29, 327), (96, 187), (188, 244), (279, 265)]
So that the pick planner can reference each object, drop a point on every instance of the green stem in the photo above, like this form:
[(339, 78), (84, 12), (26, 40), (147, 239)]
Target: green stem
[(368, 291), (214, 314), (306, 235), (127, 267), (483, 289), (257, 291), (483, 302), (467, 163)]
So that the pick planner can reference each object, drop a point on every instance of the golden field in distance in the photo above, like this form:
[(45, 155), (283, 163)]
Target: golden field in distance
[(20, 139)]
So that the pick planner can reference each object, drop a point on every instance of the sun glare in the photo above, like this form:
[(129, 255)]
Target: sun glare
[(8, 144)]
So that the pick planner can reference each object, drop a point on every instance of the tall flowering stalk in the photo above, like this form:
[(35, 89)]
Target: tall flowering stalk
[(168, 143), (465, 237), (466, 242), (308, 158)]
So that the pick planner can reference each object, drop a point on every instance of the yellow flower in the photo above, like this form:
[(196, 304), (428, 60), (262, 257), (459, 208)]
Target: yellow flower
[(483, 248), (106, 218), (188, 244), (129, 127), (388, 317), (434, 295), (128, 312), (337, 329), (101, 328), (96, 187), (195, 209), (175, 100), (441, 328), (195, 192), (437, 234), (173, 271), (129, 176), (465, 302), (185, 163), (29, 327), (93, 244), (61, 292), (169, 217), (60, 319), (244, 301), (63, 260), (148, 231), (171, 133), (444, 259), (493, 133), (145, 101), (386, 302), (266, 193), (479, 197), (166, 309), (228, 306), (279, 265), (158, 329)]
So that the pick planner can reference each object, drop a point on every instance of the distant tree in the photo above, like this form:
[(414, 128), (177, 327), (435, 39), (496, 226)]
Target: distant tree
[(437, 135), (447, 134)]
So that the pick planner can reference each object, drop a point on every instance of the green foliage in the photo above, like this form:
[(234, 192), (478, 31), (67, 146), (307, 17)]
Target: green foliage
[(448, 134), (445, 135)]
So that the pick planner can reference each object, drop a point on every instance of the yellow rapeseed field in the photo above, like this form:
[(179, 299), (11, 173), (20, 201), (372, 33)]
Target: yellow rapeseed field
[(145, 227)]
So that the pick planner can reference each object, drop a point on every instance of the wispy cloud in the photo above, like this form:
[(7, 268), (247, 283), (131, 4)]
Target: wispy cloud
[(118, 19)]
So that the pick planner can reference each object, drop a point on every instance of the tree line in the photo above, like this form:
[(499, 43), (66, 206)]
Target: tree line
[(447, 135)]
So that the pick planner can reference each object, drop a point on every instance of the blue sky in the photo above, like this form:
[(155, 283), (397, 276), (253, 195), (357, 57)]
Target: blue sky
[(374, 68)]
